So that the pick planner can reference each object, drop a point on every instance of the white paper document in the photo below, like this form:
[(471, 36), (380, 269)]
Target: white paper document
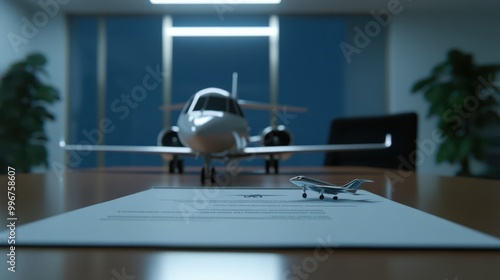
[(249, 218)]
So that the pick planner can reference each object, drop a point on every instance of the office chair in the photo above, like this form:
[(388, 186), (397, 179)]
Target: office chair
[(402, 127)]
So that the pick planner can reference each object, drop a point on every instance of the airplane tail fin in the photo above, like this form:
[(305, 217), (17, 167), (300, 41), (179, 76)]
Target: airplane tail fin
[(353, 186), (234, 91)]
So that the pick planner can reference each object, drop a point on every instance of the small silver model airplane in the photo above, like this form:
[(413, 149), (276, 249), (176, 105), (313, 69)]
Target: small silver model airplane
[(322, 187), (212, 125)]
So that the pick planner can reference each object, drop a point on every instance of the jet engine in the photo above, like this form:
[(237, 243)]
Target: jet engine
[(169, 137), (276, 136)]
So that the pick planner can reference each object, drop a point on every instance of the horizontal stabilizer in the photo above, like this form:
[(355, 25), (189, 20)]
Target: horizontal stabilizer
[(353, 186), (173, 107), (270, 107)]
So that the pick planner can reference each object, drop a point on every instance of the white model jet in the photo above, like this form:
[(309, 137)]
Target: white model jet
[(322, 187), (212, 125)]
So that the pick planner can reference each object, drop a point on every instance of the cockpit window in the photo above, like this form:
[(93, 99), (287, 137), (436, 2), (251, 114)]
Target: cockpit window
[(234, 108), (217, 103), (200, 105), (188, 104)]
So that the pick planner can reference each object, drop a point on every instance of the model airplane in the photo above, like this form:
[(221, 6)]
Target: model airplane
[(212, 125), (322, 187)]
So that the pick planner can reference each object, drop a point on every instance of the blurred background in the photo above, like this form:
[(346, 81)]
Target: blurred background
[(108, 61)]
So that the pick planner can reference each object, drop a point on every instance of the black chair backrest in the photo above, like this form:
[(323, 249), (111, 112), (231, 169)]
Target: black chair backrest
[(402, 127)]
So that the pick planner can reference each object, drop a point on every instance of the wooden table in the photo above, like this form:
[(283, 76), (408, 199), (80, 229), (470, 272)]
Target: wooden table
[(471, 202)]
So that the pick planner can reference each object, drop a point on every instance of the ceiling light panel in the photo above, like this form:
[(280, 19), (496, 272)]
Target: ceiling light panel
[(229, 2)]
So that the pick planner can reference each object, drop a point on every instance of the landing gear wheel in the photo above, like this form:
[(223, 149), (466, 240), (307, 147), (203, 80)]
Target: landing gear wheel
[(203, 176), (212, 175), (180, 166), (321, 197), (171, 167), (335, 198), (176, 164), (276, 164), (304, 195)]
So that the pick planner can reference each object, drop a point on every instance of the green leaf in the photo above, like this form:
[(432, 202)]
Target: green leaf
[(437, 93), (484, 118), (479, 148), (31, 123), (37, 155), (440, 68), (456, 57), (40, 137), (465, 83), (457, 97), (36, 59), (22, 114), (437, 109), (419, 85), (46, 93), (465, 145), (488, 71), (465, 66), (17, 68), (42, 113), (452, 125), (446, 152)]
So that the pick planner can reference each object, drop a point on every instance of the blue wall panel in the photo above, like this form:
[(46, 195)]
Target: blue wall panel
[(82, 113), (365, 75), (311, 75), (134, 86)]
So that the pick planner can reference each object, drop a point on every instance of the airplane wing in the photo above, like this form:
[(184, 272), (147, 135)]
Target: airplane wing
[(265, 106), (248, 151), (274, 150), (131, 149)]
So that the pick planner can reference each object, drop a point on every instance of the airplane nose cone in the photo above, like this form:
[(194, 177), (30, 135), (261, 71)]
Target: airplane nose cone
[(206, 125), (209, 132), (209, 144), (295, 179)]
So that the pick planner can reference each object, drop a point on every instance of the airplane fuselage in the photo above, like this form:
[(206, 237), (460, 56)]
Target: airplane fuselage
[(213, 123), (322, 187)]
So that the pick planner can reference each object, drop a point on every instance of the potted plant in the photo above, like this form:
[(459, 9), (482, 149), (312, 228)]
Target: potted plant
[(23, 100), (462, 95)]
